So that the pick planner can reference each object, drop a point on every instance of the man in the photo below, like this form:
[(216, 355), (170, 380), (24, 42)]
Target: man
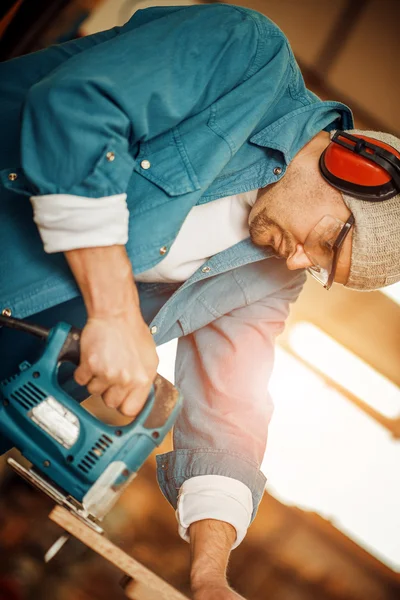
[(149, 151)]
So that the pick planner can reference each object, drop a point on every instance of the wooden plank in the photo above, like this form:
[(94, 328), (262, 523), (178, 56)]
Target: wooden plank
[(136, 590), (145, 585)]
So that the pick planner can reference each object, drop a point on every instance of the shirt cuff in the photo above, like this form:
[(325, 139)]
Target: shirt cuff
[(214, 497), (67, 222)]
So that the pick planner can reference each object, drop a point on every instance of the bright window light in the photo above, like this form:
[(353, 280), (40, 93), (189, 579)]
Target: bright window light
[(393, 292), (345, 368), (326, 455)]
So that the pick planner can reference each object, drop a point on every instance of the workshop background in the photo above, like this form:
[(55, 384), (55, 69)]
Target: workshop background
[(328, 526)]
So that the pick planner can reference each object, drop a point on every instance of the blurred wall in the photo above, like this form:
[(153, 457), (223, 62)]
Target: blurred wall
[(352, 46)]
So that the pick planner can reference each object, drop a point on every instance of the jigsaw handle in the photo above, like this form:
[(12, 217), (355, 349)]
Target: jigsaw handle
[(71, 350)]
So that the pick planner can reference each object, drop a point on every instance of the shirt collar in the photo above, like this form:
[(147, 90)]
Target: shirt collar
[(294, 130)]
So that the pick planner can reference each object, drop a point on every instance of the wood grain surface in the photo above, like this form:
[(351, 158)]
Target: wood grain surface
[(144, 584)]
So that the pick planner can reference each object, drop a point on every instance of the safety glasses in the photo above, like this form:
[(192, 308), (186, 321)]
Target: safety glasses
[(323, 245)]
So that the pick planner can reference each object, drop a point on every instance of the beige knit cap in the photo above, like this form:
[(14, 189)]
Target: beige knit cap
[(375, 259)]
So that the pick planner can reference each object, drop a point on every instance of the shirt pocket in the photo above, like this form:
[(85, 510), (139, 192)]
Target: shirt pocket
[(215, 126), (108, 176), (164, 162)]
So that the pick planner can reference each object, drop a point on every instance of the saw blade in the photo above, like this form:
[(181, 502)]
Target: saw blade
[(56, 547), (39, 482)]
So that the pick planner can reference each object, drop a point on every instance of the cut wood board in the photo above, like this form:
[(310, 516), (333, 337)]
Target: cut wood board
[(141, 583)]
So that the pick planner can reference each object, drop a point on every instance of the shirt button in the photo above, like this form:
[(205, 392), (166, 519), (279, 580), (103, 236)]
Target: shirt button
[(6, 312), (12, 176), (163, 250), (277, 171), (153, 330), (110, 156), (145, 164), (206, 269)]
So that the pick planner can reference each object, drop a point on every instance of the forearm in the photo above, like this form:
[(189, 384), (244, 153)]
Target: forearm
[(211, 542), (118, 355), (104, 276)]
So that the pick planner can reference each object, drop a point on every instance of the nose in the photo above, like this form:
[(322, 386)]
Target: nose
[(298, 259)]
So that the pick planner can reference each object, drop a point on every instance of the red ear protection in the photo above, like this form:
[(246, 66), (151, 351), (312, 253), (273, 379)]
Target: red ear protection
[(361, 166)]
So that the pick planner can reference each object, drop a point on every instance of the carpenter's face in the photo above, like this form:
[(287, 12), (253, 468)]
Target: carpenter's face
[(286, 213)]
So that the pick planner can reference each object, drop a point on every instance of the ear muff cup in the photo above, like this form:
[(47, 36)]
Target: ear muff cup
[(357, 174)]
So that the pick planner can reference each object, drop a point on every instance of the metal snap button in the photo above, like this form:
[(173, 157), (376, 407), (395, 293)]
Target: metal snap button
[(12, 176), (145, 164), (6, 312), (277, 171), (206, 269), (163, 250), (153, 330), (110, 156)]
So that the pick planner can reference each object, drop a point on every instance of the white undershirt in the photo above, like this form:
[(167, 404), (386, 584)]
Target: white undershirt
[(66, 222), (208, 229)]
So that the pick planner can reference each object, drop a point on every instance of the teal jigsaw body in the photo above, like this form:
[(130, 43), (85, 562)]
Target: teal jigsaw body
[(65, 442)]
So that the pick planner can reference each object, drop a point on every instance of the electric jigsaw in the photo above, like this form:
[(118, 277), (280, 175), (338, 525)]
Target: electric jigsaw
[(81, 462)]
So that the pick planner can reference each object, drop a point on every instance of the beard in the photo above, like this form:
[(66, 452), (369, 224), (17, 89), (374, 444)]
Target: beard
[(261, 228)]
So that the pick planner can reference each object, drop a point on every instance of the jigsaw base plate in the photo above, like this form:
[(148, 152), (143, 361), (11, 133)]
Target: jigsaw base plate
[(38, 481)]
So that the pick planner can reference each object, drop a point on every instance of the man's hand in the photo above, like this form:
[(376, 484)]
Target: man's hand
[(118, 355), (118, 361), (211, 542)]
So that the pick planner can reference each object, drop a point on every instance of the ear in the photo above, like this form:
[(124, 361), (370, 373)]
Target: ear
[(298, 260)]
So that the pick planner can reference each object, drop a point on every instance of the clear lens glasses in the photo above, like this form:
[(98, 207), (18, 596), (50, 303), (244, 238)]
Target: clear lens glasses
[(319, 247)]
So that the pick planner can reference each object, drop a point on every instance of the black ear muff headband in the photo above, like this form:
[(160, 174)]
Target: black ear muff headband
[(362, 167)]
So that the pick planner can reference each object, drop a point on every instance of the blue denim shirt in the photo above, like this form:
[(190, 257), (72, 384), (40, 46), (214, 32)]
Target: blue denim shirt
[(212, 97)]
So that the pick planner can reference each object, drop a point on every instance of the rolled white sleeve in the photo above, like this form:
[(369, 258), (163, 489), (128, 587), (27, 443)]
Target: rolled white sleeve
[(214, 497), (67, 222)]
